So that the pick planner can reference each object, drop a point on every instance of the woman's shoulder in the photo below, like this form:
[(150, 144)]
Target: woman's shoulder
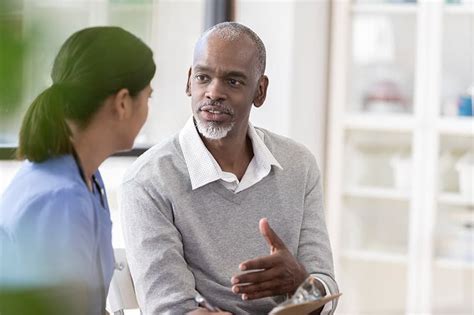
[(48, 209), (39, 191), (55, 173)]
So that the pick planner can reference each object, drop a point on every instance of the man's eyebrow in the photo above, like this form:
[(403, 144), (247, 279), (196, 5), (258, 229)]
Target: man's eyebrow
[(237, 74), (231, 73), (201, 68)]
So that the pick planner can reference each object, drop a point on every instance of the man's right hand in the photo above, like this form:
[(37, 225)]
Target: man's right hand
[(279, 273), (203, 311)]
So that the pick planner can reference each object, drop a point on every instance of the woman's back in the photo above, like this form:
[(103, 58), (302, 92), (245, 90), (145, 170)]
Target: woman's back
[(59, 232), (54, 217)]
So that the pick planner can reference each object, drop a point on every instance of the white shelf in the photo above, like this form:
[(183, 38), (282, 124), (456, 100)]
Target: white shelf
[(456, 125), (383, 122), (455, 199), (460, 9), (375, 256), (377, 193), (452, 263), (385, 8)]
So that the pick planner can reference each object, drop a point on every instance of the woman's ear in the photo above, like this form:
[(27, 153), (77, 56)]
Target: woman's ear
[(188, 83), (123, 104), (261, 92)]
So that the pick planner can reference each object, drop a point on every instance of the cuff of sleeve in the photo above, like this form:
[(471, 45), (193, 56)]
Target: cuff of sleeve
[(328, 306)]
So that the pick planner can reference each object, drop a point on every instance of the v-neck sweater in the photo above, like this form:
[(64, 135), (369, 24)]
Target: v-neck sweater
[(182, 241)]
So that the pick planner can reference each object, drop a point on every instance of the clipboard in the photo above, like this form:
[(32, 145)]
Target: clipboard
[(303, 308)]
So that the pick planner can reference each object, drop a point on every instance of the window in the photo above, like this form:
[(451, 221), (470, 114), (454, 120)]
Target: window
[(39, 27)]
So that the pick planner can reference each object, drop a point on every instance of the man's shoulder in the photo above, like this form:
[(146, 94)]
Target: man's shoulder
[(162, 157), (284, 148)]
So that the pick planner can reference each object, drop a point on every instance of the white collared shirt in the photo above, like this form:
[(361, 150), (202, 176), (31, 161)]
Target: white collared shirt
[(204, 169)]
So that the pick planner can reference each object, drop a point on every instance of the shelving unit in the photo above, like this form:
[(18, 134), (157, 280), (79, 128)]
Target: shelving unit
[(456, 125), (385, 8), (371, 257), (379, 193), (455, 199), (461, 8), (379, 122), (454, 264), (406, 217)]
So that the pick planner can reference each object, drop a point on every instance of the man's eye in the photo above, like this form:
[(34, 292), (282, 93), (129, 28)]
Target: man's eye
[(234, 82), (201, 77)]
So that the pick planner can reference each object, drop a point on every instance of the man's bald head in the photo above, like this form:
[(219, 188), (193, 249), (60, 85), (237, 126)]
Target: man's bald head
[(232, 31)]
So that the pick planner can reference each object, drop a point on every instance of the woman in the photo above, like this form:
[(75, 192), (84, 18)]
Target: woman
[(55, 213)]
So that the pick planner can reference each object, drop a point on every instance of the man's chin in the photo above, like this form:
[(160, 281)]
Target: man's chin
[(213, 130)]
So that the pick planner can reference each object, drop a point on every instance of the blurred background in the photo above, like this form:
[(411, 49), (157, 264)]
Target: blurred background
[(381, 91)]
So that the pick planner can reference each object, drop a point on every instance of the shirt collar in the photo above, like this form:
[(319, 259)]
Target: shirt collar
[(203, 168)]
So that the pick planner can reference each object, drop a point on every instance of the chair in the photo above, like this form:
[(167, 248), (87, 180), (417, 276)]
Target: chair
[(121, 292)]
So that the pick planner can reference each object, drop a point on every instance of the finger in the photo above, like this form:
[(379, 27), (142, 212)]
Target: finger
[(257, 276), (272, 238), (265, 262), (258, 295), (253, 288)]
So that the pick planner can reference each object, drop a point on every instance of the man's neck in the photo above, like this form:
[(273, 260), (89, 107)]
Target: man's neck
[(232, 153)]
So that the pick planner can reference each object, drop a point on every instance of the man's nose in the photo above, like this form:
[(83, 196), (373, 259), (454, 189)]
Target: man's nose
[(216, 90)]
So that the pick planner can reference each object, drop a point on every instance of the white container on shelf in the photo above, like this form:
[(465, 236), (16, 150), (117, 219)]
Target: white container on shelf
[(402, 170), (465, 168), (456, 240)]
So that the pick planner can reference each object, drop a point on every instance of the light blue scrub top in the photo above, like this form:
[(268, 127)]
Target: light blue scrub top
[(54, 230)]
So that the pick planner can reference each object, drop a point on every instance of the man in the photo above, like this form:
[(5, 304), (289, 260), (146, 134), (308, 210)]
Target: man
[(197, 209)]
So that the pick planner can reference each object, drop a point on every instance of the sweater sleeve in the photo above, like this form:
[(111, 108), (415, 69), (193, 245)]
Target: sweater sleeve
[(314, 250), (163, 282)]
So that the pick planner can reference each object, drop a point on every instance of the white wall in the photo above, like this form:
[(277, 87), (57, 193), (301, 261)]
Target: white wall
[(177, 26), (295, 33)]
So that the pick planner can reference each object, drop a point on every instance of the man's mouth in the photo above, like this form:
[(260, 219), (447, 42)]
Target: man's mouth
[(214, 113)]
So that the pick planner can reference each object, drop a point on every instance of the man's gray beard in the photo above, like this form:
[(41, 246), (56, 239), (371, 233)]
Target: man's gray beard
[(213, 130)]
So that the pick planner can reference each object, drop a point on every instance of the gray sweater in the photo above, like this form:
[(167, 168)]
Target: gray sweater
[(180, 240)]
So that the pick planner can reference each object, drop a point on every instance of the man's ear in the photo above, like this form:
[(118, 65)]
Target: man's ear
[(261, 92), (122, 104), (188, 83)]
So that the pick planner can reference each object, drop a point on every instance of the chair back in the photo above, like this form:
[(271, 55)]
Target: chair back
[(121, 292)]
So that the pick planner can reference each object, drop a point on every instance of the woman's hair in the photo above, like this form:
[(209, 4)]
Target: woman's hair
[(91, 65)]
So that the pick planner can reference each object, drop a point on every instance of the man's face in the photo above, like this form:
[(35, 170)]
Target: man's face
[(223, 84)]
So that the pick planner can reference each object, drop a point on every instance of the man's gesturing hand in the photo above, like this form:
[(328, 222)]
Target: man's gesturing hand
[(276, 274)]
